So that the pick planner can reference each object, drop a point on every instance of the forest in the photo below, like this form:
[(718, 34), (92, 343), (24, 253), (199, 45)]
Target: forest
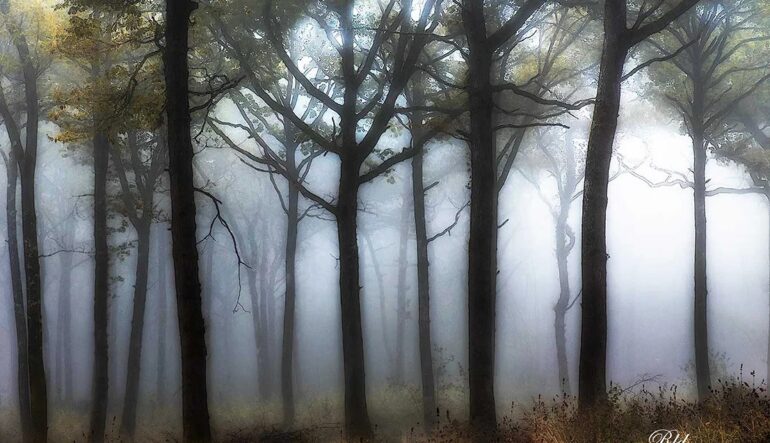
[(385, 220)]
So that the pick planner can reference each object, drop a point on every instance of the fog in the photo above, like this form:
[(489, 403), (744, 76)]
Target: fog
[(649, 234), (241, 240)]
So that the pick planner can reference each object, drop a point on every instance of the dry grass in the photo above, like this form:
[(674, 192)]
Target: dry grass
[(738, 411)]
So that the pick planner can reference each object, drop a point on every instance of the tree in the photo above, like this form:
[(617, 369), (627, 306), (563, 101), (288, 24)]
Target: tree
[(25, 152), (362, 82), (563, 164), (716, 75), (192, 330), (483, 47), (535, 85), (427, 87), (148, 157), (121, 106), (618, 41), (20, 321), (295, 157), (746, 143)]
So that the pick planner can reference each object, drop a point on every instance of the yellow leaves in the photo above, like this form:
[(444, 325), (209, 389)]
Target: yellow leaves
[(37, 20), (525, 69), (70, 137)]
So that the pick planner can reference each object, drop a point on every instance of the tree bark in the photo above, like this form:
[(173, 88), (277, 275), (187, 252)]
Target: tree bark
[(767, 196), (357, 424), (429, 409), (192, 329), (160, 386), (562, 305), (255, 314), (37, 379), (565, 241), (101, 288), (20, 321), (593, 339), (133, 371), (482, 243), (26, 155), (702, 371), (263, 331), (403, 243), (290, 260), (357, 421)]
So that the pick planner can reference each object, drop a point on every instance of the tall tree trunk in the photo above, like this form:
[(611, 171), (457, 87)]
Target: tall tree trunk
[(273, 363), (101, 287), (381, 293), (482, 243), (560, 310), (263, 334), (565, 241), (764, 141), (163, 306), (20, 320), (403, 244), (256, 309), (37, 380), (767, 196), (290, 260), (63, 320), (357, 421), (702, 371), (593, 339), (133, 370), (27, 157), (192, 329), (429, 410)]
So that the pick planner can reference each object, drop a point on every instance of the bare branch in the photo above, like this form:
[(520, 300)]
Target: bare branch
[(448, 229)]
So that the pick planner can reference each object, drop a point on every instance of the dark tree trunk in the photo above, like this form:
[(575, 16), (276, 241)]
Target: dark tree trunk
[(429, 410), (37, 380), (20, 320), (101, 287), (133, 371), (357, 422), (593, 338), (702, 371), (26, 155), (290, 259), (192, 329), (482, 244), (401, 289)]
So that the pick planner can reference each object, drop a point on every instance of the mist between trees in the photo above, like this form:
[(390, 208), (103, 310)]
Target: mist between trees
[(229, 217)]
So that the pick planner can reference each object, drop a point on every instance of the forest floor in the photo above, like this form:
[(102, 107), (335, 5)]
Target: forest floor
[(737, 411)]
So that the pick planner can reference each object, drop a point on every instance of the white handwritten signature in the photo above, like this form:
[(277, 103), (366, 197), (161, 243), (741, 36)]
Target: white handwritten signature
[(668, 436)]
